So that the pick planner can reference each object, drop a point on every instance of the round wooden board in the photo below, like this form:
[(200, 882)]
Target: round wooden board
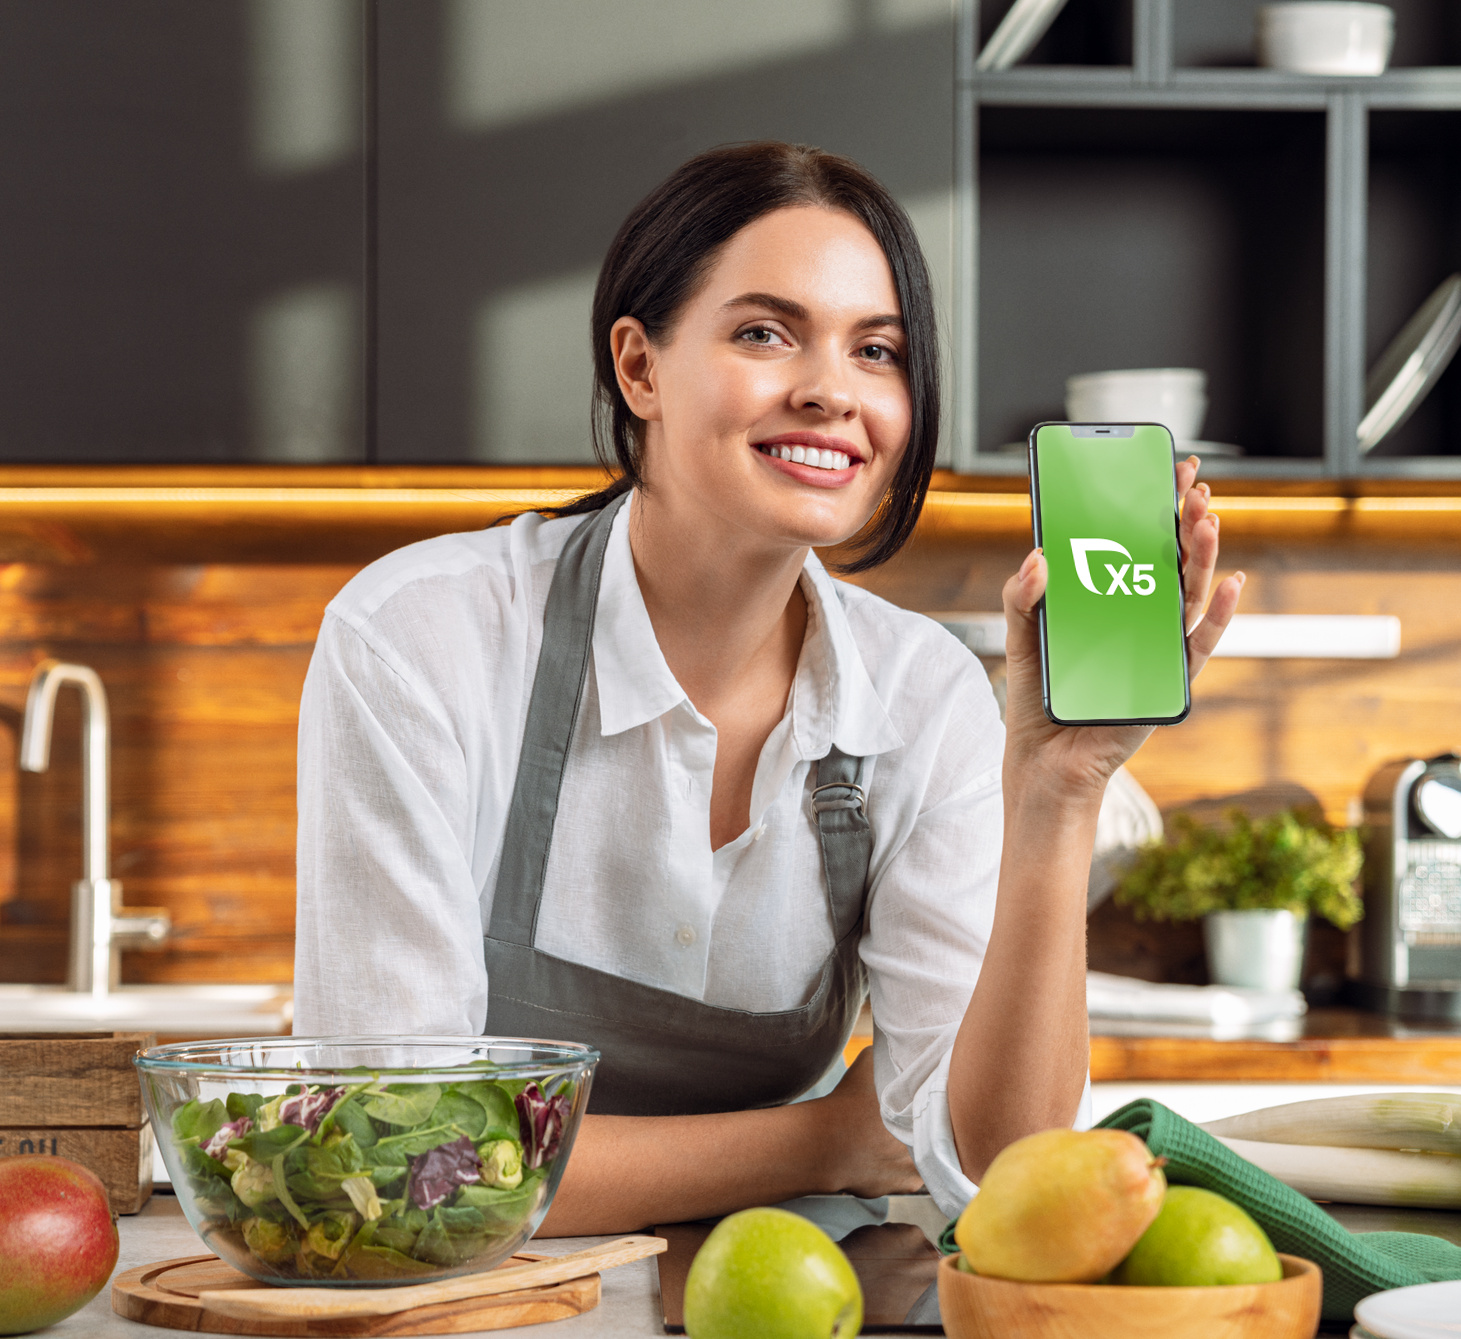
[(166, 1294)]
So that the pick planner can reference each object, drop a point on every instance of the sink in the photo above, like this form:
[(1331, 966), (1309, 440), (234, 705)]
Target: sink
[(184, 1010)]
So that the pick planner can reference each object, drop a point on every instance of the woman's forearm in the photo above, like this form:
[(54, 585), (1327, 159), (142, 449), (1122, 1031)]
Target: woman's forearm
[(1021, 1056), (628, 1173)]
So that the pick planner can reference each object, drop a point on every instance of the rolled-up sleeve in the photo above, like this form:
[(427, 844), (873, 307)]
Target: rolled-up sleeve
[(929, 925), (388, 911), (930, 919)]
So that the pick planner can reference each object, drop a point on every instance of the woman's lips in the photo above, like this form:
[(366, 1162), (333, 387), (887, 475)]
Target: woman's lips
[(818, 458), (805, 464)]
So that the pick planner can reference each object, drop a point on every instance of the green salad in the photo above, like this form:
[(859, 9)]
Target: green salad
[(372, 1180)]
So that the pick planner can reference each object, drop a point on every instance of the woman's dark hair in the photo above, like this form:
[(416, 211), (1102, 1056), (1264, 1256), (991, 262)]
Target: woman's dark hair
[(672, 238)]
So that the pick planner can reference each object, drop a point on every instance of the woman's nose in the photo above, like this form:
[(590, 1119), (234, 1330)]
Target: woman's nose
[(825, 386)]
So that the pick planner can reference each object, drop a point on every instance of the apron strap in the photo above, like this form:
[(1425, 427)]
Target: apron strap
[(846, 837), (568, 634)]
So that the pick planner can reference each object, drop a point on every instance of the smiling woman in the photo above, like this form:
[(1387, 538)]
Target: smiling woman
[(640, 774)]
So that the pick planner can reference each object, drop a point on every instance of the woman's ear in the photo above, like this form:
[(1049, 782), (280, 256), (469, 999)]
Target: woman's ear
[(634, 367)]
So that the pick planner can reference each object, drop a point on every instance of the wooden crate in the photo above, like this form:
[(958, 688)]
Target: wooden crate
[(77, 1096), (121, 1158)]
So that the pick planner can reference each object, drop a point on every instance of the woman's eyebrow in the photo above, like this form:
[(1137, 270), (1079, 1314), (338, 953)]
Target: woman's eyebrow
[(785, 306), (797, 312)]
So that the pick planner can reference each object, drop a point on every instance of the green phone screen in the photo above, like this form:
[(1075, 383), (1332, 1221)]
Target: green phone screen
[(1111, 627)]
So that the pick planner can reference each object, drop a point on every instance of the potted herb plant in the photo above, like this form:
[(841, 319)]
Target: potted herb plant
[(1254, 884)]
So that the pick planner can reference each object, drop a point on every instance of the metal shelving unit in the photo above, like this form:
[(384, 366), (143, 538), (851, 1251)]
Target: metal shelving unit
[(1154, 83)]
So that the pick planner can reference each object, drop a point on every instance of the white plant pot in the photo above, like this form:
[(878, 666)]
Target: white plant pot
[(1260, 950)]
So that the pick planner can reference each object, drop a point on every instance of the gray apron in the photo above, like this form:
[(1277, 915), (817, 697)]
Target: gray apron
[(663, 1054)]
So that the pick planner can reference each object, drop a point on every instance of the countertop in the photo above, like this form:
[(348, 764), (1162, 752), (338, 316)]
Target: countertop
[(160, 1232), (1325, 1046), (629, 1308)]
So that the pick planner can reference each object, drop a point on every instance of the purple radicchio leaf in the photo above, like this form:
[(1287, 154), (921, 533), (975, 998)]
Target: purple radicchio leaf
[(308, 1109), (436, 1173), (541, 1121), (218, 1145)]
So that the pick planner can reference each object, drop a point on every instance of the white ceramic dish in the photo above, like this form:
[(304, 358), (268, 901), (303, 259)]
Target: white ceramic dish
[(1025, 24), (1175, 396), (1411, 364), (1426, 1311), (1325, 37)]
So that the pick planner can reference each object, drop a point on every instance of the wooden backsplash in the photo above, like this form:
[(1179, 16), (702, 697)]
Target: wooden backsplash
[(204, 665)]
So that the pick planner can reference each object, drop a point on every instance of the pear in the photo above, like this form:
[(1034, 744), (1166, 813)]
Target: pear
[(1062, 1206), (1200, 1240)]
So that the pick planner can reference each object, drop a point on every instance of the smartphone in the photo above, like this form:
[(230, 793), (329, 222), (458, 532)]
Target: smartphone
[(1113, 650)]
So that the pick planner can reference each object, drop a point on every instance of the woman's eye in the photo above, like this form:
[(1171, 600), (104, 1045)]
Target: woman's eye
[(759, 334), (878, 353)]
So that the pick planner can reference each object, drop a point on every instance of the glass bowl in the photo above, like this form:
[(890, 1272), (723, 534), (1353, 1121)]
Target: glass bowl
[(365, 1161)]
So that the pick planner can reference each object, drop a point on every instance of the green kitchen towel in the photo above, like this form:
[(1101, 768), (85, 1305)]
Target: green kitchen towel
[(1355, 1264)]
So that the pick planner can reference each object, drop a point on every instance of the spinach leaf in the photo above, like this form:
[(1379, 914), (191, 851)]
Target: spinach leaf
[(453, 1238), (200, 1166), (322, 1169), (496, 1101), (245, 1104), (503, 1208), (403, 1104), (412, 1143), (350, 1116), (460, 1110), (199, 1120), (265, 1145)]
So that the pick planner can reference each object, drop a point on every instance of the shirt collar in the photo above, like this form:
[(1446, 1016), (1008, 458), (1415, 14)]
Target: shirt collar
[(634, 681), (832, 698)]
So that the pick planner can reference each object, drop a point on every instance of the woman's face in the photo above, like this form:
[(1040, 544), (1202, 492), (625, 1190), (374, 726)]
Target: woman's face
[(793, 346)]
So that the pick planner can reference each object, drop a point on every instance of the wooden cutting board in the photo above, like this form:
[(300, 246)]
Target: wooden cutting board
[(167, 1294)]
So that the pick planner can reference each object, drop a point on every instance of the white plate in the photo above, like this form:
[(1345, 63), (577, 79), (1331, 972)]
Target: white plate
[(1019, 30), (1411, 364), (1426, 1311)]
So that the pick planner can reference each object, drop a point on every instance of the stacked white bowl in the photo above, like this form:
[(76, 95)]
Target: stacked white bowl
[(1325, 37), (1173, 396)]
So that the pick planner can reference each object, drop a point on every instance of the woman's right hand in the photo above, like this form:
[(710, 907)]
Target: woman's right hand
[(864, 1158)]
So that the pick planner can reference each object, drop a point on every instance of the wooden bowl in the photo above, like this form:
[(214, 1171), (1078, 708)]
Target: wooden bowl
[(975, 1307)]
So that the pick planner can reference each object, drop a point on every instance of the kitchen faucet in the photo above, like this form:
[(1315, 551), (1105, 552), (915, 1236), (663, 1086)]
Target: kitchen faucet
[(99, 930)]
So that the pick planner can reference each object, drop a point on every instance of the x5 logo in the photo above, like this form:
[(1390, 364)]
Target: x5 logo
[(1142, 581)]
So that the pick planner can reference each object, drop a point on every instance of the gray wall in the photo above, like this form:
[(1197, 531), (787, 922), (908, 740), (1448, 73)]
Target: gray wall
[(316, 230)]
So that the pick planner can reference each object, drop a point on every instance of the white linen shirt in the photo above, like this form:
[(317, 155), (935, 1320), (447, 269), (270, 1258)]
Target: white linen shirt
[(410, 729)]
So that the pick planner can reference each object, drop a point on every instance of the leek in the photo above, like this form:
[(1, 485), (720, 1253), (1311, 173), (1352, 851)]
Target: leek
[(1423, 1122), (1358, 1175)]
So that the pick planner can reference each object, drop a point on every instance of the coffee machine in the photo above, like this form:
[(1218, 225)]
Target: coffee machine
[(1411, 933)]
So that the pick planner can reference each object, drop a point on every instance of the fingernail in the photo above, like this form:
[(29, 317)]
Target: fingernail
[(1206, 491), (1242, 577), (1028, 565), (1216, 520)]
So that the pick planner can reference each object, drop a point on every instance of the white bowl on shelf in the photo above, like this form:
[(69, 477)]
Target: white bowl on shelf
[(1325, 37), (1173, 396)]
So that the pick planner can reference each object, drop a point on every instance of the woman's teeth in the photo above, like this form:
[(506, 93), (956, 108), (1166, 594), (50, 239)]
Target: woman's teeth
[(810, 455)]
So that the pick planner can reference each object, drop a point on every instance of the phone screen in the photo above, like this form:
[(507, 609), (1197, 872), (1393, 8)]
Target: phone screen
[(1105, 512)]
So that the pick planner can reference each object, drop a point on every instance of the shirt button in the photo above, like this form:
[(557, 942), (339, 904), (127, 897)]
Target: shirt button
[(685, 935), (759, 833)]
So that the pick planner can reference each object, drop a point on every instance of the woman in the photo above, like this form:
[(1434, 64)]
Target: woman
[(643, 775)]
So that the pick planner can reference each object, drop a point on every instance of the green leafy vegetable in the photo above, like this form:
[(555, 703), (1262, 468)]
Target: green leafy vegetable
[(199, 1121), (403, 1103), (325, 1195)]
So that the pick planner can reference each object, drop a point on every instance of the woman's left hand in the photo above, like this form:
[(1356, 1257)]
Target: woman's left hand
[(1081, 758)]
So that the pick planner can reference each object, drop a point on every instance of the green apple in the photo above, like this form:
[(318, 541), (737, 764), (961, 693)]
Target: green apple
[(1199, 1239), (770, 1274)]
